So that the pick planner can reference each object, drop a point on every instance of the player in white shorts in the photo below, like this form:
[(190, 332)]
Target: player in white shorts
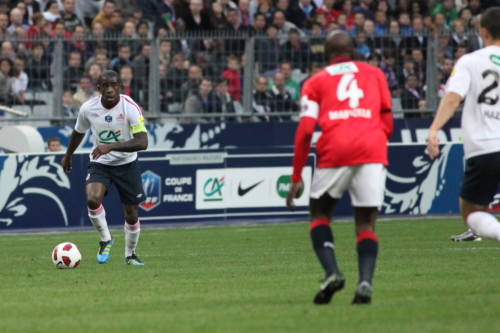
[(118, 133), (476, 78)]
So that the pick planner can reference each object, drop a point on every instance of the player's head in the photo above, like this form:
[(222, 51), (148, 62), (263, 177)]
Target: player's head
[(109, 84), (490, 26), (338, 44)]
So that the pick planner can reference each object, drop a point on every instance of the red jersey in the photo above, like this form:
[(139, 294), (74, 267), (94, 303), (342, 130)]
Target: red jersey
[(351, 103)]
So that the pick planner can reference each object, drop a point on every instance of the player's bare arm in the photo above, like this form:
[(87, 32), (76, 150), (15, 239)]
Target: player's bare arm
[(295, 191), (139, 142), (447, 107), (74, 142)]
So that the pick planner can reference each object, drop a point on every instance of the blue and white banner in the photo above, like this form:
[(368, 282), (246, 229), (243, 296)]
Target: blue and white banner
[(217, 184)]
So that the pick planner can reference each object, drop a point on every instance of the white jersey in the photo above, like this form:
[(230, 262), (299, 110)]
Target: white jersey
[(109, 126), (476, 77)]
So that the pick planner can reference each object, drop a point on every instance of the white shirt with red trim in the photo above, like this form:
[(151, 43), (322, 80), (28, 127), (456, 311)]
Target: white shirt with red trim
[(110, 126)]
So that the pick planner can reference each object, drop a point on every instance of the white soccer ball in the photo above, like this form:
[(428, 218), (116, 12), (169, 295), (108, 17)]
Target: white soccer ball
[(66, 255)]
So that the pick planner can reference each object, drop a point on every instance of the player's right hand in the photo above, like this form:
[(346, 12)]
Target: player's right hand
[(433, 145), (295, 190), (66, 163)]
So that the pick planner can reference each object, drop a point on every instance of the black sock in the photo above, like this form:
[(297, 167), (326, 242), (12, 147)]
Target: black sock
[(367, 248), (322, 239)]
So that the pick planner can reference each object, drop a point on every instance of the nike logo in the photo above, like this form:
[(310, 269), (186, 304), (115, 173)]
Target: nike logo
[(243, 191)]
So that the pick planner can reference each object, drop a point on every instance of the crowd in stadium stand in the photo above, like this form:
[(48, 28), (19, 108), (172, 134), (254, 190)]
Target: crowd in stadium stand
[(208, 73)]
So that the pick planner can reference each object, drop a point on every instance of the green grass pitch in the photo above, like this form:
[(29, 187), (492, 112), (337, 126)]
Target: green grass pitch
[(251, 278)]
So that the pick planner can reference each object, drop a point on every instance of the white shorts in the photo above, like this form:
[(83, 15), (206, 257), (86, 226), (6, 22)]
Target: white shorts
[(365, 182)]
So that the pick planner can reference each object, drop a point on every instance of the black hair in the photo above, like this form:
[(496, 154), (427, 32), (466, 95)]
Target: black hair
[(490, 21)]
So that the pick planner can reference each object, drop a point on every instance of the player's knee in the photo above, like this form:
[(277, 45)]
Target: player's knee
[(131, 217), (93, 202)]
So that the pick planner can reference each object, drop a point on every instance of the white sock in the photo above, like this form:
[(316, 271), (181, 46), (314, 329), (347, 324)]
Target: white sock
[(132, 232), (98, 218), (484, 224)]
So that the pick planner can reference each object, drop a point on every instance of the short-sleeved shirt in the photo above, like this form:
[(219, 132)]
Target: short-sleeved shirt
[(110, 126), (347, 99), (475, 77)]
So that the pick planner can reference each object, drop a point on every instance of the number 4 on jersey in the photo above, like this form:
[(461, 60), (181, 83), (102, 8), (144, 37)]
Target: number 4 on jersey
[(348, 88)]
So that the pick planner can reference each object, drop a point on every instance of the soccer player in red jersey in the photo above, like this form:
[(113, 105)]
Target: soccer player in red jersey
[(351, 103)]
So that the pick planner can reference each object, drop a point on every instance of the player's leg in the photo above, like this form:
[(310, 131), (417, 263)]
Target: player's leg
[(327, 187), (96, 188), (132, 229), (481, 178), (127, 179), (367, 194)]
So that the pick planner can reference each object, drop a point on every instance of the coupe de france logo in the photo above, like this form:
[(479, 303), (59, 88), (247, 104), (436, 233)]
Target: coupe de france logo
[(108, 119), (151, 184)]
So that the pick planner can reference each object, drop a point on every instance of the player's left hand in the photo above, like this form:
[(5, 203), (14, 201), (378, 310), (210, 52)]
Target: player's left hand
[(101, 150), (433, 145), (295, 190)]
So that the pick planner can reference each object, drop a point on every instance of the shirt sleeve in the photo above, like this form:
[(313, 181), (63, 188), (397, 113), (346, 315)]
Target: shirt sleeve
[(134, 116), (385, 94), (82, 123), (460, 79), (309, 101)]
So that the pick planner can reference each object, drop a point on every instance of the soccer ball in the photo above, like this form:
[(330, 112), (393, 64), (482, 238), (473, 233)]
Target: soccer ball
[(66, 255)]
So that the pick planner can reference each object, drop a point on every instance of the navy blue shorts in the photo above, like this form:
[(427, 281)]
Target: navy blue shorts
[(126, 177), (481, 179)]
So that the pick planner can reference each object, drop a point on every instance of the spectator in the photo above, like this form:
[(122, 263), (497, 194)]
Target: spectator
[(243, 12), (404, 24), (328, 10), (102, 60), (474, 7), (316, 43), (84, 92), (446, 69), (114, 30), (130, 38), (259, 24), (166, 14), (94, 71), (195, 74), (346, 9), (72, 72), (364, 8), (175, 77), (383, 6), (130, 88), (52, 13), (419, 38), (281, 100), (123, 58), (374, 59), (217, 17), (417, 8), (105, 15), (466, 16), (7, 50), (369, 29), (6, 78), (4, 24), (235, 45), (439, 22), (402, 6), (16, 20), (54, 144), (388, 67), (444, 44), (165, 52), (408, 69), (38, 69), (141, 66), (197, 20), (233, 77), (97, 32), (68, 110), (359, 21), (380, 23), (291, 85), (5, 6), (19, 81), (284, 26), (220, 101), (78, 44), (265, 8), (36, 28), (69, 17), (458, 35), (60, 31), (412, 97), (32, 7), (268, 51), (361, 47), (342, 22), (420, 66), (261, 100), (393, 41), (302, 11), (99, 47), (198, 102), (447, 8), (313, 69), (295, 52), (459, 51)]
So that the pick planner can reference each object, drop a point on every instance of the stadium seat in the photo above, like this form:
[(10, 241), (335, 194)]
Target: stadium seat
[(41, 111)]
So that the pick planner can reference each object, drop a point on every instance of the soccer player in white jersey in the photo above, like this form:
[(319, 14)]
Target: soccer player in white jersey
[(118, 133), (476, 78)]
